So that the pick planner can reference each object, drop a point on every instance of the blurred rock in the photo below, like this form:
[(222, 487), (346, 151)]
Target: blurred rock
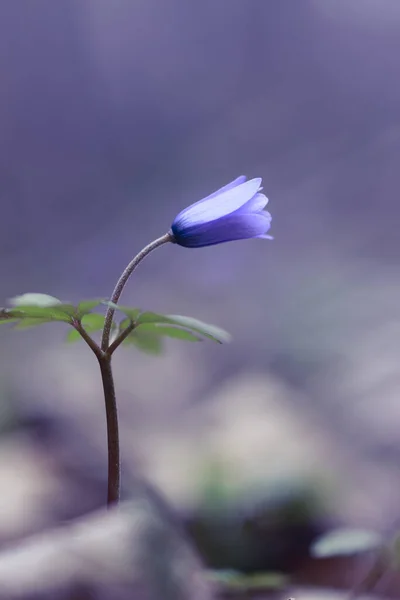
[(135, 549)]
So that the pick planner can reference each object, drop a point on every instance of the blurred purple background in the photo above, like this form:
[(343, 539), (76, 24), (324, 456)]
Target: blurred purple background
[(116, 115)]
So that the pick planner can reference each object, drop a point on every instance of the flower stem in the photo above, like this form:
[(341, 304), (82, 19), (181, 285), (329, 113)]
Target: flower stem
[(124, 279), (104, 358), (114, 466)]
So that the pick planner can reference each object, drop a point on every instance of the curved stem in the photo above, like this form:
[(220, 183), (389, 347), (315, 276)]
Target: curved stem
[(114, 465), (104, 358), (168, 237)]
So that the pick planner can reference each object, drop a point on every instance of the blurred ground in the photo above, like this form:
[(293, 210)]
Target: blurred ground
[(114, 116)]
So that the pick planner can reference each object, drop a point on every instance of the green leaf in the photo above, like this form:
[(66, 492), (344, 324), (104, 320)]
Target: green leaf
[(60, 312), (86, 306), (132, 313), (168, 331), (91, 322), (346, 541), (193, 325), (30, 322), (41, 306), (73, 336), (124, 324), (36, 309), (146, 342), (29, 299), (209, 331)]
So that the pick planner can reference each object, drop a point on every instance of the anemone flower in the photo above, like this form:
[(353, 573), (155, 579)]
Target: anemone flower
[(235, 212)]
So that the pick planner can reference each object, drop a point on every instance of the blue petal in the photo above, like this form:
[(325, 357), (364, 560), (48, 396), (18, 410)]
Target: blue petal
[(229, 228), (256, 204), (238, 181), (216, 206)]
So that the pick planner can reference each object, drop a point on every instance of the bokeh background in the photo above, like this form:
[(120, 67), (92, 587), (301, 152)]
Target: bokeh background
[(113, 117)]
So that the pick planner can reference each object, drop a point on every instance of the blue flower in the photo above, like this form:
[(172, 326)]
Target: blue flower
[(235, 212)]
